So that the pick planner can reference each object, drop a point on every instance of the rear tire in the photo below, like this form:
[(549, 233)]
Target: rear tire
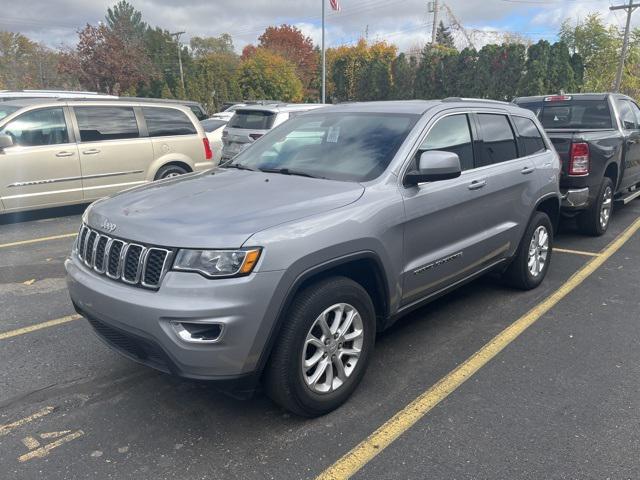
[(530, 265), (302, 341), (169, 171), (595, 221)]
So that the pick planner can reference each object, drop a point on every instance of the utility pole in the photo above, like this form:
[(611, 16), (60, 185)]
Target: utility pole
[(625, 43), (324, 61), (177, 35), (433, 7)]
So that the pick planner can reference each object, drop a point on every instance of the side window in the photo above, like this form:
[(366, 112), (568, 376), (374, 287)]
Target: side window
[(197, 111), (106, 123), (162, 122), (451, 134), (530, 137), (38, 127), (499, 144), (636, 111), (627, 117)]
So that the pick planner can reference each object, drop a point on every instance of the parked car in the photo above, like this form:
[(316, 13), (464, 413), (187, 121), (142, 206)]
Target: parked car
[(213, 128), (598, 139), (253, 121), (228, 112), (328, 230), (61, 152), (8, 95)]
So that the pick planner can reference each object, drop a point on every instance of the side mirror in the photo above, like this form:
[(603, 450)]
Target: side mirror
[(5, 141), (433, 166)]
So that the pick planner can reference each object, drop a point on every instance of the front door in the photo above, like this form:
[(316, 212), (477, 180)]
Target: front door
[(445, 228), (630, 118), (113, 155), (42, 168)]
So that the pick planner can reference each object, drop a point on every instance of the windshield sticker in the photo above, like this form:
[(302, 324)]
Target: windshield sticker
[(333, 134)]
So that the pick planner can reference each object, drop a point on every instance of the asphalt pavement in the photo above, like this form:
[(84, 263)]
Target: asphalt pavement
[(560, 401)]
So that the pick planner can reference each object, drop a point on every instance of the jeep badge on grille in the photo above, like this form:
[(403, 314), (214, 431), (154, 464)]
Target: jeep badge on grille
[(108, 226)]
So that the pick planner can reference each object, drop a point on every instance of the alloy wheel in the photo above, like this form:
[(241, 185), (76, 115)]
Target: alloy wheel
[(538, 251), (332, 348)]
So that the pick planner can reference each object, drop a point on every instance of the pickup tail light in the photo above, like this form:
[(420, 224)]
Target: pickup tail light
[(579, 159), (255, 136), (208, 153)]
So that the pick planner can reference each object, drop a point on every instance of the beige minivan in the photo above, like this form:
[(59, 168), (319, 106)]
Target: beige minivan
[(62, 152)]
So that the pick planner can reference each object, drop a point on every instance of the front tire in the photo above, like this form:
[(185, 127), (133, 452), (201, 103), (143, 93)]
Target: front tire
[(530, 265), (595, 221), (323, 347)]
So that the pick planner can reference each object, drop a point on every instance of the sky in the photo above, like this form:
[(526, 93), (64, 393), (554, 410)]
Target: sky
[(406, 23)]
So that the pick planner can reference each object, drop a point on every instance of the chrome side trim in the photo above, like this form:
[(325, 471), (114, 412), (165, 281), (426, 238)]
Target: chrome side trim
[(71, 179)]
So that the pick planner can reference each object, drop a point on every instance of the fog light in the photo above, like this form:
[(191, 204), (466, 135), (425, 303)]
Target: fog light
[(198, 332)]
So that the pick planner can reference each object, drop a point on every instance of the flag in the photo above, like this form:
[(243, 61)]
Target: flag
[(335, 5)]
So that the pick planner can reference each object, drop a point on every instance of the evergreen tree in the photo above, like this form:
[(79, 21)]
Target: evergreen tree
[(124, 20), (560, 76), (535, 79), (444, 37), (404, 75), (433, 78), (466, 80)]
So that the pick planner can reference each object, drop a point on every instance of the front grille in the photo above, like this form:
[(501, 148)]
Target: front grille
[(131, 263)]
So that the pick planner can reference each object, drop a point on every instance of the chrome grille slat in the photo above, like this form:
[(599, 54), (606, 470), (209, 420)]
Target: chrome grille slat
[(130, 263)]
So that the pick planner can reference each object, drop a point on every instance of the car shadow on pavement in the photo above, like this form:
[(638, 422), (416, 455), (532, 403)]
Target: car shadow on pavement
[(44, 214)]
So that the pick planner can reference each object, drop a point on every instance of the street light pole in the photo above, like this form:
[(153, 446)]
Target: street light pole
[(177, 35), (625, 42)]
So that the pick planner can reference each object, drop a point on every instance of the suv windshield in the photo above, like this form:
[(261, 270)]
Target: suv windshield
[(252, 119), (339, 146), (576, 114)]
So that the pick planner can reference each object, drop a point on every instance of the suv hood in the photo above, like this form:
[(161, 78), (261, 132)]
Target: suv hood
[(216, 209)]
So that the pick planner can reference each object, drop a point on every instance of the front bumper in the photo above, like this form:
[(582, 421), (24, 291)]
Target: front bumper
[(138, 322), (574, 199)]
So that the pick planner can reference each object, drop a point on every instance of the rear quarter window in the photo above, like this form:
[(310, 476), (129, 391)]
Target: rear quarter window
[(252, 119), (531, 141), (164, 122)]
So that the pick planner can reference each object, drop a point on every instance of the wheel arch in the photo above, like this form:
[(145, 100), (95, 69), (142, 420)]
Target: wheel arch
[(363, 267)]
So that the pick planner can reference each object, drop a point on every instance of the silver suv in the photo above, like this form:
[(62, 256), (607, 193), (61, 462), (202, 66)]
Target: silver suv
[(324, 233), (252, 121)]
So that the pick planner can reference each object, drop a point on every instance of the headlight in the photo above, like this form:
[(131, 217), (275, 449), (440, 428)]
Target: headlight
[(217, 263)]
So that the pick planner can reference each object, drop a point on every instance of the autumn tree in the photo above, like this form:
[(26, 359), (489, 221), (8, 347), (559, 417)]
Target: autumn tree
[(290, 43), (266, 75), (103, 61)]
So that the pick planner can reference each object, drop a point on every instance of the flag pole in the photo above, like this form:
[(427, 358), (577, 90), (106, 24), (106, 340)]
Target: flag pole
[(324, 64)]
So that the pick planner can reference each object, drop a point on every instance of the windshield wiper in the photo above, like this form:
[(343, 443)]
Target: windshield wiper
[(288, 171), (238, 166)]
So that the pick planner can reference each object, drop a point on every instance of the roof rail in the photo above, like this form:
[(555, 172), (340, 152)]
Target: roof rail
[(479, 100)]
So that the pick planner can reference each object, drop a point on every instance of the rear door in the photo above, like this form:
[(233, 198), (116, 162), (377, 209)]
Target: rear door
[(42, 168), (113, 153), (447, 225), (511, 183), (630, 120)]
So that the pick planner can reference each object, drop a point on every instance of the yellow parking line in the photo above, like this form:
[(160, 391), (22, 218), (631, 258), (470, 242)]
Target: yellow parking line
[(4, 429), (38, 326), (37, 240), (576, 252), (375, 443)]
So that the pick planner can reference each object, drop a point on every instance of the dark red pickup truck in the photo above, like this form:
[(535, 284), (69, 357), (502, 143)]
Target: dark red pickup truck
[(598, 139)]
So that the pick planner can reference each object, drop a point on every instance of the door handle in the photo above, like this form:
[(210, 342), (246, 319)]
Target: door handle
[(527, 170), (64, 154), (477, 184), (91, 151)]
